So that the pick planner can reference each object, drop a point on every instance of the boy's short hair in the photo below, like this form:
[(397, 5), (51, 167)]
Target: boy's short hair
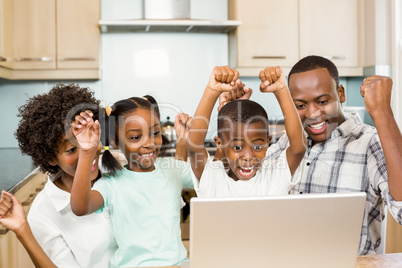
[(313, 62), (44, 118), (241, 111)]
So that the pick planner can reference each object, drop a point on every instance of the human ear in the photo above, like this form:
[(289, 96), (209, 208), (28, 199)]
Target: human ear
[(341, 94), (219, 154), (269, 140), (218, 143), (52, 163)]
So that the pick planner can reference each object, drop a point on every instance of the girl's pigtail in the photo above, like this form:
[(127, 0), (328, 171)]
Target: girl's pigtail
[(109, 162)]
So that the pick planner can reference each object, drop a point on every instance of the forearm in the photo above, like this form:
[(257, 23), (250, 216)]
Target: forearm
[(35, 251), (200, 124), (198, 132), (391, 142), (181, 152), (81, 189), (294, 129)]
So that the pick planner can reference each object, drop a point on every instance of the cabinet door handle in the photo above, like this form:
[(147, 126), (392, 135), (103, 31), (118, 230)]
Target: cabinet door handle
[(77, 59), (269, 57), (3, 59), (335, 57), (44, 59)]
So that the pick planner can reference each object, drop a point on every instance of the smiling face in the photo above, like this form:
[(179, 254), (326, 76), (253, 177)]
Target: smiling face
[(67, 159), (142, 139), (244, 146), (318, 102)]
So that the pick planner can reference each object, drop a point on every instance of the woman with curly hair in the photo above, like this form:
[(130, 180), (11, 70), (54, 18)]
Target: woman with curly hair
[(44, 133)]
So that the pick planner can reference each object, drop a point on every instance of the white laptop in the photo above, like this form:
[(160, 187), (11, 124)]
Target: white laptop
[(309, 230)]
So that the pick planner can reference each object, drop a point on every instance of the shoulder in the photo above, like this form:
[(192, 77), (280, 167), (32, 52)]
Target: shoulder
[(274, 150), (42, 214), (353, 126), (169, 163), (365, 135), (109, 181), (213, 170), (40, 201), (275, 164)]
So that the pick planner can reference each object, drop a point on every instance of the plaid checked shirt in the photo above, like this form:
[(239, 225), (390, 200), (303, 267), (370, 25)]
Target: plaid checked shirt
[(351, 160)]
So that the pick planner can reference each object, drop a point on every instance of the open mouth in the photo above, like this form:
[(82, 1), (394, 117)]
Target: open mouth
[(318, 128), (148, 155), (247, 172)]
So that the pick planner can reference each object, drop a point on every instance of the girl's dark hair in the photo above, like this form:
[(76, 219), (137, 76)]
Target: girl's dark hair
[(109, 125), (45, 119)]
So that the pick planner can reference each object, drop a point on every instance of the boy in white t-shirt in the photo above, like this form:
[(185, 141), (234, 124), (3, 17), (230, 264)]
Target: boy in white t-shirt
[(243, 139)]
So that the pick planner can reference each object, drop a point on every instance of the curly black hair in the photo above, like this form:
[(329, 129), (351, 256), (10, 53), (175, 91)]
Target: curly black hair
[(45, 118)]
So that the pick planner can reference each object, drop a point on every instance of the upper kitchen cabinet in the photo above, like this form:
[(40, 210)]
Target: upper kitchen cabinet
[(28, 34), (78, 34), (282, 32), (330, 29), (49, 39), (267, 36)]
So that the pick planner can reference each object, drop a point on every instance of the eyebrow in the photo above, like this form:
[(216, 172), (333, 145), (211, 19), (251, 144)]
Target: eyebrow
[(140, 129), (236, 140), (316, 98), (133, 130), (63, 144), (259, 139)]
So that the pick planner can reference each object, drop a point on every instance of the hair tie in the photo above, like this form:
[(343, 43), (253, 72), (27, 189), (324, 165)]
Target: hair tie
[(105, 148), (145, 98), (108, 110)]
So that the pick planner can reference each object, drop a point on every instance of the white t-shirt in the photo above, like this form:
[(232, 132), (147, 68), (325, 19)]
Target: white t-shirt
[(70, 240), (273, 178)]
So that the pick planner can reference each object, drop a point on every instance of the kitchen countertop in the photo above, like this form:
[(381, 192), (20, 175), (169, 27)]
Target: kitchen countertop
[(14, 168), (369, 261)]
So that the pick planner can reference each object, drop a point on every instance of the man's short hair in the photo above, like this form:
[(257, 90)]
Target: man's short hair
[(313, 62)]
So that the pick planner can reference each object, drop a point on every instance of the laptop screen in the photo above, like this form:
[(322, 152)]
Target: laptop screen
[(312, 230)]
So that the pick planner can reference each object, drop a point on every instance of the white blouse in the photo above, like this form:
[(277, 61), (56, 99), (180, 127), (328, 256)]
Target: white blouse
[(70, 240)]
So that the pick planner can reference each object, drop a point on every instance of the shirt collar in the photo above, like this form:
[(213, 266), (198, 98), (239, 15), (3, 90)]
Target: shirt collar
[(347, 127), (59, 198), (343, 129)]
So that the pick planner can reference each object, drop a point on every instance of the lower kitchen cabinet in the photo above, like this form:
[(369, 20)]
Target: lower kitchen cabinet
[(13, 253)]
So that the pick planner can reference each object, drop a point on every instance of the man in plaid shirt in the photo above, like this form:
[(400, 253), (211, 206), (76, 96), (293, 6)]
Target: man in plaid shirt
[(344, 154)]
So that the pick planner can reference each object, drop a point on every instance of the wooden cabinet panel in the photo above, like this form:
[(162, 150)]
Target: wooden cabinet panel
[(28, 34), (34, 34), (49, 39), (78, 34), (282, 32), (330, 29), (268, 34)]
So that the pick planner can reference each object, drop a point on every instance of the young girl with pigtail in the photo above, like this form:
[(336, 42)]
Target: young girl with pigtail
[(143, 197)]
